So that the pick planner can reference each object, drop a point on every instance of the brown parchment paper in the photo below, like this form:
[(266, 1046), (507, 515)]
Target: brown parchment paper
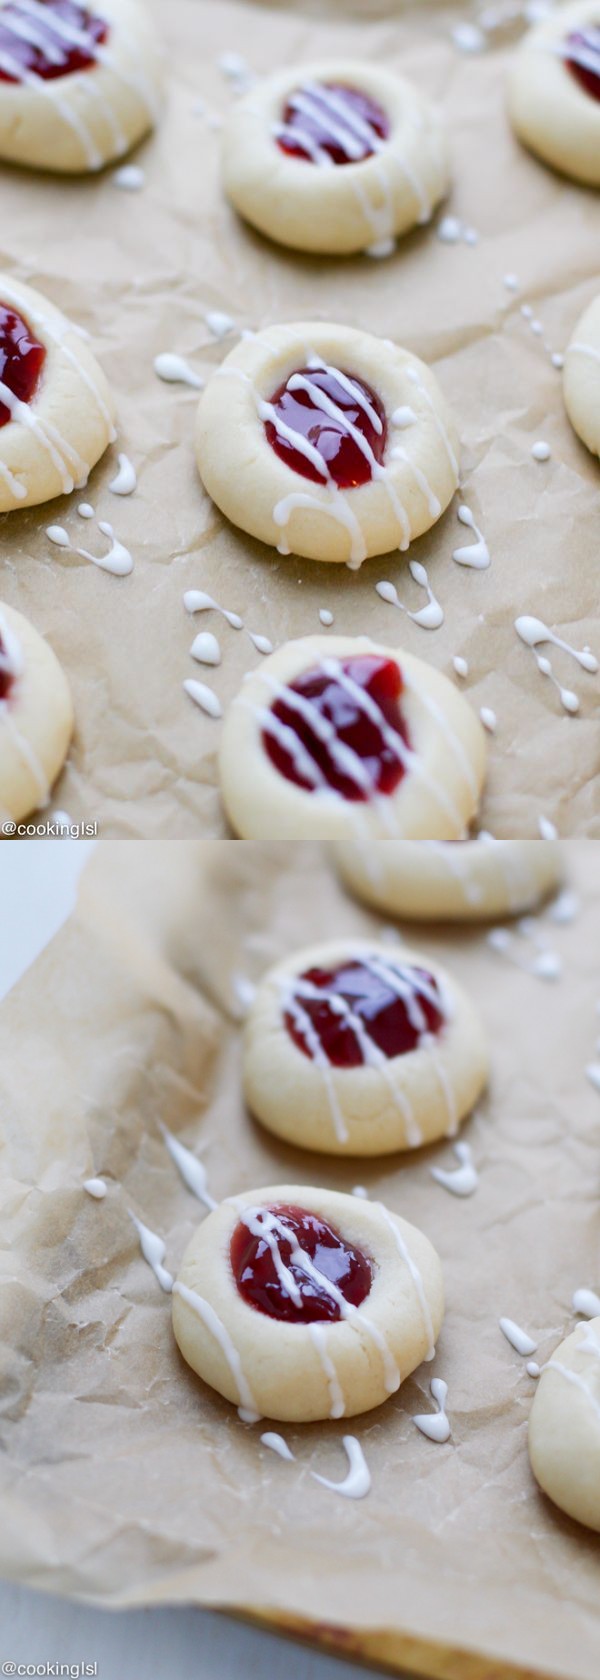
[(140, 270), (124, 1480)]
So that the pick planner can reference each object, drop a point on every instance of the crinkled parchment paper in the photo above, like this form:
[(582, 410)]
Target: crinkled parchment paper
[(123, 1479), (140, 270)]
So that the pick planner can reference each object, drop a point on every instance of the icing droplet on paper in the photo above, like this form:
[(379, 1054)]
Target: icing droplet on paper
[(130, 178), (125, 481), (277, 1445), (176, 371), (357, 1483), (488, 719), (541, 451), (154, 1250), (205, 648), (461, 1180), (203, 697), (325, 616), (435, 1425), (586, 1302), (477, 554), (219, 324), (196, 600), (95, 1187), (518, 1338), (193, 1171), (460, 666)]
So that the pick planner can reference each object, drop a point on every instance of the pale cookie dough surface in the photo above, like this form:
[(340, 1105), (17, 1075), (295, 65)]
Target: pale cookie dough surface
[(437, 880), (51, 443), (335, 208), (564, 1427), (436, 798), (279, 1369), (549, 109), (385, 1103), (266, 497), (36, 717), (581, 377), (80, 121)]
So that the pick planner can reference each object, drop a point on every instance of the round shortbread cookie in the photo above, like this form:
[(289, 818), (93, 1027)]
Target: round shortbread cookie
[(331, 734), (36, 717), (79, 84), (442, 881), (564, 1426), (554, 90), (56, 408), (308, 1351), (581, 377), (327, 442), (354, 1048), (334, 157)]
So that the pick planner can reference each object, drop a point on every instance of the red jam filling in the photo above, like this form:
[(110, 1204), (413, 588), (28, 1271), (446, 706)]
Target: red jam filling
[(361, 713), (259, 1283), (324, 416), (48, 38), (327, 121), (21, 358), (6, 677), (394, 1023), (583, 58)]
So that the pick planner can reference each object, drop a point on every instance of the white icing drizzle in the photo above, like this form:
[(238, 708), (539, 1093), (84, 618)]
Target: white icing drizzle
[(289, 989), (57, 332), (217, 1329), (12, 665), (547, 829), (461, 1180), (477, 554), (589, 1346), (565, 907), (413, 374), (318, 1336), (533, 632), (176, 371), (154, 1250), (403, 417), (261, 643), (429, 617), (277, 1445), (192, 1171), (587, 1302), (435, 1425), (518, 1338), (219, 324), (412, 1267), (13, 484), (95, 1187), (468, 38), (245, 991), (203, 697), (59, 451), (584, 350), (546, 965), (357, 1483), (196, 600), (488, 719), (118, 560), (130, 178), (125, 481), (460, 665), (205, 648), (11, 655)]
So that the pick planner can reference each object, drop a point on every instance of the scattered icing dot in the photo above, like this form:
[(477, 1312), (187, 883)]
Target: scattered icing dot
[(518, 1338), (203, 697), (546, 964), (95, 1187), (118, 560), (196, 600), (125, 480), (477, 554), (435, 1425), (232, 65), (526, 311), (361, 1191), (537, 328), (192, 1171), (592, 1073), (58, 535), (468, 38), (277, 1444), (532, 631), (547, 829), (381, 248), (449, 230), (325, 616), (470, 236), (488, 719), (85, 510), (558, 361), (532, 1367), (357, 1483), (206, 649), (176, 371), (219, 324), (511, 282), (541, 451), (154, 1250), (586, 1302), (462, 1180), (565, 907), (429, 617), (460, 665), (261, 643), (130, 178)]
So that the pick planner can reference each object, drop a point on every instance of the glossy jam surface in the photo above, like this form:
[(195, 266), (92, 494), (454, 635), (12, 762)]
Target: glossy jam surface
[(335, 406), (327, 123), (393, 1007), (21, 359), (257, 1278), (47, 39), (6, 676), (582, 57), (355, 704)]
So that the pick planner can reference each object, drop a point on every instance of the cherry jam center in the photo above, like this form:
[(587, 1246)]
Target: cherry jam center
[(259, 1282), (341, 420), (48, 38), (6, 675), (582, 58), (392, 1007), (21, 359), (347, 728), (326, 122)]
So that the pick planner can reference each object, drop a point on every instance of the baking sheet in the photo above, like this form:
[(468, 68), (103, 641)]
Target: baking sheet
[(124, 1480), (140, 271)]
